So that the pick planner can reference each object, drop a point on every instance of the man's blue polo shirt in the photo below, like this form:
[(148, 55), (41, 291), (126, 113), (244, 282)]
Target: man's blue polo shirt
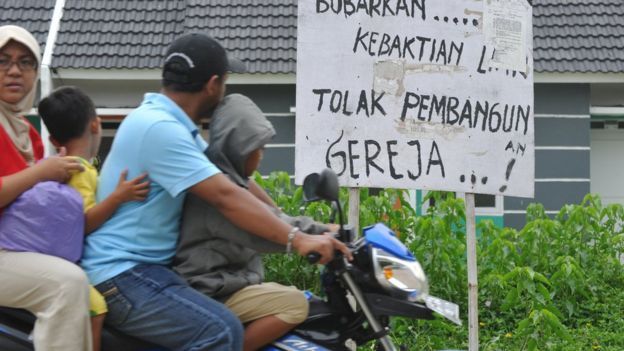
[(160, 139)]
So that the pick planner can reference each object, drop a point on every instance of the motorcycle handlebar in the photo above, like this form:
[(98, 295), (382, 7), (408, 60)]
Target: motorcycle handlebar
[(313, 257), (344, 234)]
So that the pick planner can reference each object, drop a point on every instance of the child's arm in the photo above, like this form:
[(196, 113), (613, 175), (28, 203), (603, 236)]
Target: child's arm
[(127, 190), (261, 194)]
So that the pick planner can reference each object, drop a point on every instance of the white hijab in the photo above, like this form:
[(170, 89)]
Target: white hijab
[(11, 115)]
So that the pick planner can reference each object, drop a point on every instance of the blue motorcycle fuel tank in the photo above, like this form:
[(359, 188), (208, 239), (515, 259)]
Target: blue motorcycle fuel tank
[(382, 237)]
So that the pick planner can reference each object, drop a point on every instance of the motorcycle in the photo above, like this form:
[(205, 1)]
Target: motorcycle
[(384, 280), (16, 326)]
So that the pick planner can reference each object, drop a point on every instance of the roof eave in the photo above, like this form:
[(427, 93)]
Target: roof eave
[(578, 77), (290, 78), (155, 74)]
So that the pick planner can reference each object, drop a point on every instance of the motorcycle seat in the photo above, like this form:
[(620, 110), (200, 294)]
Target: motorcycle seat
[(17, 325)]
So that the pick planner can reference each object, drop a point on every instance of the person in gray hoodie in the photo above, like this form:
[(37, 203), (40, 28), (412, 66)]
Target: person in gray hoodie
[(221, 260)]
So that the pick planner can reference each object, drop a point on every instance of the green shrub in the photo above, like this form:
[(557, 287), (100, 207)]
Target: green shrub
[(556, 284)]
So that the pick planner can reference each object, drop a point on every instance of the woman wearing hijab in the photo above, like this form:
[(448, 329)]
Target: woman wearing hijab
[(53, 289)]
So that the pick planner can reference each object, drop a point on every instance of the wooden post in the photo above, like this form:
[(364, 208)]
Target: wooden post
[(473, 294), (354, 210)]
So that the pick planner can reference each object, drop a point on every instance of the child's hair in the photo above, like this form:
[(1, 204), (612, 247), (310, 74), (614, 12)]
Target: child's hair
[(66, 113)]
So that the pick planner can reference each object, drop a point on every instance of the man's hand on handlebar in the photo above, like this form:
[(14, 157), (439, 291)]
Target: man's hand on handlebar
[(325, 245)]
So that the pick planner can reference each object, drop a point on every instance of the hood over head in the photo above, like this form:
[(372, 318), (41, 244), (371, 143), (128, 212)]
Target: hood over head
[(237, 128)]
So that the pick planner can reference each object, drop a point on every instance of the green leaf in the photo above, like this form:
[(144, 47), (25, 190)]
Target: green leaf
[(569, 307), (555, 324), (543, 295), (532, 345), (523, 326), (511, 300), (541, 278)]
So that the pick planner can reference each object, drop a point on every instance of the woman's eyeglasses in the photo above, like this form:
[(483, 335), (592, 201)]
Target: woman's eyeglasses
[(24, 64)]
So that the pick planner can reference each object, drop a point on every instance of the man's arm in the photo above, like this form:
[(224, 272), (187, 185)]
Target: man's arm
[(248, 213)]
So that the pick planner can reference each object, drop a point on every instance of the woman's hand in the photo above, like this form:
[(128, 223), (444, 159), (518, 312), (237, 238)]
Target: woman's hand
[(58, 168)]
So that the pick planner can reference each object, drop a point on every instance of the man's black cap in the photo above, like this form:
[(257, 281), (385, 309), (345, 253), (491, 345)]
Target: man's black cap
[(195, 58)]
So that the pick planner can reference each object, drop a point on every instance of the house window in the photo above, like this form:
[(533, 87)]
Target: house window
[(111, 119), (109, 128), (485, 201), (607, 124)]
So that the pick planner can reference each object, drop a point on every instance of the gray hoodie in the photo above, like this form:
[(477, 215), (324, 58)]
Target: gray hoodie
[(214, 256)]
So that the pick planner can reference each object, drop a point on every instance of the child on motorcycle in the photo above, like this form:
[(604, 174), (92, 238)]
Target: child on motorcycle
[(223, 261), (70, 116)]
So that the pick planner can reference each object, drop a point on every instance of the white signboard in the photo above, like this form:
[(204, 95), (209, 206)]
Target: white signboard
[(417, 94)]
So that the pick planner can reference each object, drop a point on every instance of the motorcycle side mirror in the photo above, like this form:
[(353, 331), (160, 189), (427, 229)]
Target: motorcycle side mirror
[(328, 187), (310, 184), (323, 186)]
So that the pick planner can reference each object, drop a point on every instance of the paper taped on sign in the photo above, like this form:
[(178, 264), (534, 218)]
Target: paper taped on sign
[(505, 29)]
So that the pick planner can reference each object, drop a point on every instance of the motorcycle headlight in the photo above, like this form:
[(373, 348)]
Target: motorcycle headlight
[(400, 277)]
